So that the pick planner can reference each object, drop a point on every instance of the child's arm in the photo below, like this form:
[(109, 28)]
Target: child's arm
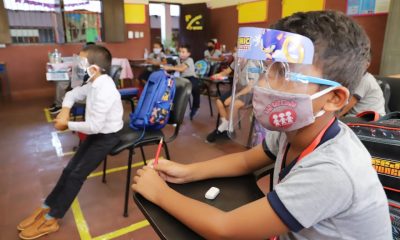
[(103, 101), (179, 68), (76, 94), (223, 73), (206, 220), (235, 164)]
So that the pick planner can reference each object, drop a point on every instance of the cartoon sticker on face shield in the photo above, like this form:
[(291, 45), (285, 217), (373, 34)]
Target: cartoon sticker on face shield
[(282, 47)]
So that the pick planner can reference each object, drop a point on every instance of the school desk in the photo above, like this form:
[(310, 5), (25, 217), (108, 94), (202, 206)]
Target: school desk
[(234, 192)]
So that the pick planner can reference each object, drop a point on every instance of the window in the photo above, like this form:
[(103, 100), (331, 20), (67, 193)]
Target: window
[(42, 21)]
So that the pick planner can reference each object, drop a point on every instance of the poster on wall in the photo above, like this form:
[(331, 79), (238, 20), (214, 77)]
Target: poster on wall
[(360, 7)]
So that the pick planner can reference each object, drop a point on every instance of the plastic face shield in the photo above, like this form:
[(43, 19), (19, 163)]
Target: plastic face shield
[(273, 59), (78, 70)]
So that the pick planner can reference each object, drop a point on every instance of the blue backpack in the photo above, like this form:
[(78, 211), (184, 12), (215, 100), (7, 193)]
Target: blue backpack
[(155, 102)]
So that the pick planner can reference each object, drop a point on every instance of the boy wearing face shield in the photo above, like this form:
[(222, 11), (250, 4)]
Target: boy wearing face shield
[(103, 119), (324, 184)]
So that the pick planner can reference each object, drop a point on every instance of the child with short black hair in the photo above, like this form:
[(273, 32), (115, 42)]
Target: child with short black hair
[(324, 184), (103, 119), (187, 70)]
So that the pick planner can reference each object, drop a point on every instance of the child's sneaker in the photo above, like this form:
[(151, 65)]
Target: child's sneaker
[(55, 110), (39, 228), (216, 134), (40, 212)]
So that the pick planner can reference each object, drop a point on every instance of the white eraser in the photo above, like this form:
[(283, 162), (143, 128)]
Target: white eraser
[(212, 193)]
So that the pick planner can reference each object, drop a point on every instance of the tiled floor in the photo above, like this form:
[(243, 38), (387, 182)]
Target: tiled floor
[(29, 168)]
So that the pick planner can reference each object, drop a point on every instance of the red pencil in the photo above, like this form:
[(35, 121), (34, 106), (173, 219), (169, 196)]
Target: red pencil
[(158, 152)]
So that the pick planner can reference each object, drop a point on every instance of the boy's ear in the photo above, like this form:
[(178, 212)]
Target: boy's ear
[(338, 98)]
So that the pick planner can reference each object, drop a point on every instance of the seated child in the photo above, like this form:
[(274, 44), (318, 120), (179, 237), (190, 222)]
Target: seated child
[(103, 119), (325, 186), (156, 58), (249, 74), (212, 54), (63, 86), (187, 70), (368, 96)]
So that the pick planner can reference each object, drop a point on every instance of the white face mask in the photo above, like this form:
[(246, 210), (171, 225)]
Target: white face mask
[(90, 73), (157, 50)]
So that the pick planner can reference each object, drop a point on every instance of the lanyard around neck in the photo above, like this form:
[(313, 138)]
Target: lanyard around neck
[(310, 148), (315, 142)]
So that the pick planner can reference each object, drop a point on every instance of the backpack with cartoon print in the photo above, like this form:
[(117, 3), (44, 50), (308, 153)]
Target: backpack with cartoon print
[(155, 102)]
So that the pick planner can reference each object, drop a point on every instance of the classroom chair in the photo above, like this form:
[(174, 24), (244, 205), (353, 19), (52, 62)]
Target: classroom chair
[(386, 93), (131, 139), (394, 98), (127, 94)]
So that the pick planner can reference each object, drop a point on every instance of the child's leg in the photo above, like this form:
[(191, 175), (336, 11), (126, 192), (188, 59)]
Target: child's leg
[(95, 153), (224, 121), (52, 197), (221, 109)]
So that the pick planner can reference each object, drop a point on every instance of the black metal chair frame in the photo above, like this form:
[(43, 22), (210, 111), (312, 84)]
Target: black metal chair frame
[(130, 139)]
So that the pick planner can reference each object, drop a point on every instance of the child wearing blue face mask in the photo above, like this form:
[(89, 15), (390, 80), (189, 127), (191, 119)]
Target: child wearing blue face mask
[(324, 184), (157, 57), (103, 119)]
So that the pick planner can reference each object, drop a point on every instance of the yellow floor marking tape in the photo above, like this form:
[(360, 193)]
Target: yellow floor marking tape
[(68, 153), (47, 115), (123, 231), (96, 174), (80, 221)]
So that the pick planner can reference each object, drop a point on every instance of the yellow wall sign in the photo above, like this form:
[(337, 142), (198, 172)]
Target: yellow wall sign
[(135, 13), (291, 6), (194, 23), (252, 12)]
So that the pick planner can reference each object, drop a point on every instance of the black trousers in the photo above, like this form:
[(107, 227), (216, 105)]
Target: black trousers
[(195, 91), (90, 154)]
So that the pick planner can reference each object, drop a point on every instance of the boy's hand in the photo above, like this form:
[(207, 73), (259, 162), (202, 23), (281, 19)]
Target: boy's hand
[(171, 171), (166, 67), (64, 114), (60, 124), (149, 184)]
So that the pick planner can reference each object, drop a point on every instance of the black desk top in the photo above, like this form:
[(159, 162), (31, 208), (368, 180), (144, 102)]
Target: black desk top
[(234, 192)]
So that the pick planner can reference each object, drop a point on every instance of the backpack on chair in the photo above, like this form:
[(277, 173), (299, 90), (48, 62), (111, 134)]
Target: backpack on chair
[(155, 102)]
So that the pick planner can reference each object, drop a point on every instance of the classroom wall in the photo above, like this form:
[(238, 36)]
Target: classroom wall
[(374, 25), (26, 64), (225, 27)]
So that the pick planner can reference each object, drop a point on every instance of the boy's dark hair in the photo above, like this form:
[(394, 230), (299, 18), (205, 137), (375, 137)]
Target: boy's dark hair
[(187, 46), (100, 56), (342, 48), (211, 41), (89, 43)]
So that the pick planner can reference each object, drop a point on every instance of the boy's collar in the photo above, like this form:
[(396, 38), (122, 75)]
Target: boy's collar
[(95, 82)]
